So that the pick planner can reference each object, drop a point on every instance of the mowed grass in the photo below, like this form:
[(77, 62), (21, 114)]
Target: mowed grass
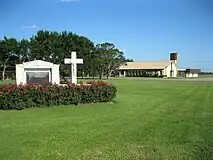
[(163, 120)]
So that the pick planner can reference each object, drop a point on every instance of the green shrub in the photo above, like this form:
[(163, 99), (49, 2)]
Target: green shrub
[(147, 75), (162, 76), (26, 96)]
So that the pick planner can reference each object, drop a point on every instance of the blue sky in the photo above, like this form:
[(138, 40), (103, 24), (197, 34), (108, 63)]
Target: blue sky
[(145, 30)]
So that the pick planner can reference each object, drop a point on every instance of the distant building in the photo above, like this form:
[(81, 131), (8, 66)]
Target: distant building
[(188, 72), (167, 68)]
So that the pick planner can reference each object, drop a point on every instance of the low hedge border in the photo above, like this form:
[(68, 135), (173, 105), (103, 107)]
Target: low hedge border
[(14, 96)]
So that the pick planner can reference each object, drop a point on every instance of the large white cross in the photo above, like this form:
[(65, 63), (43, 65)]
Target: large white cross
[(73, 61)]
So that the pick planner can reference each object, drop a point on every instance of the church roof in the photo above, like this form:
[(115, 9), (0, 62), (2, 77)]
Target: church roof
[(145, 65)]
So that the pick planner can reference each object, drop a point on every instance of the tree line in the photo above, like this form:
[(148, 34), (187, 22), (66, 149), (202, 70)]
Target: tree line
[(99, 59)]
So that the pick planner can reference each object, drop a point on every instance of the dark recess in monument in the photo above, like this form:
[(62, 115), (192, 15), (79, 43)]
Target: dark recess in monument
[(37, 77)]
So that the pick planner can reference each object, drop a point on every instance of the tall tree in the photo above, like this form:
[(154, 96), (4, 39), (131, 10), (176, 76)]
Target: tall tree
[(99, 61), (84, 50), (54, 47), (93, 65), (129, 60), (9, 53), (108, 58), (46, 45), (24, 50), (82, 45)]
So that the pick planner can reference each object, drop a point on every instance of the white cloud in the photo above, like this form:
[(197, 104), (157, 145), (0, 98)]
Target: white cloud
[(69, 0), (31, 26)]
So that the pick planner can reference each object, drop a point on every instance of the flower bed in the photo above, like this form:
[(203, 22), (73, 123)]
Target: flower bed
[(26, 96)]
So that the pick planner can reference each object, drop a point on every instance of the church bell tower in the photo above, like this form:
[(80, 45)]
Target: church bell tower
[(174, 57), (174, 68)]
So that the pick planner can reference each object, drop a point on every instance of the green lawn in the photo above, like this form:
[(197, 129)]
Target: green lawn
[(149, 120), (206, 76), (6, 82)]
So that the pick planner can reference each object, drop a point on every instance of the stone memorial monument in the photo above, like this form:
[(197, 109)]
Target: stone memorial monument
[(37, 72)]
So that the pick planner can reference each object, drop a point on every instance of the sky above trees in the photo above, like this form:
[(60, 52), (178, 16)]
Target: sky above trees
[(143, 29)]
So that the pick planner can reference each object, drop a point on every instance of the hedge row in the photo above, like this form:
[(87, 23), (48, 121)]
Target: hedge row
[(27, 96)]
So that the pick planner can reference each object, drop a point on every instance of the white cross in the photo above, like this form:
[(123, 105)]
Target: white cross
[(73, 61)]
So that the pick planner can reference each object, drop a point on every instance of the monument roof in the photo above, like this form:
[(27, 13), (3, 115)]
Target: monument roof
[(38, 64)]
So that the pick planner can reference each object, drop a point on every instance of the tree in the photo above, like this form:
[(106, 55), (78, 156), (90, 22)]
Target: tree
[(93, 63), (54, 47), (46, 45), (9, 53), (129, 60), (82, 45), (98, 61), (24, 50), (84, 50), (108, 58)]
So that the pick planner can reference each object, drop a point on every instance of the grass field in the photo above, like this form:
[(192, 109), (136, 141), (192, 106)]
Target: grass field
[(206, 76), (163, 120)]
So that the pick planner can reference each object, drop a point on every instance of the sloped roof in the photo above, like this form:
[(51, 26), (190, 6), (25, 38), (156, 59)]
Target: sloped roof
[(38, 63), (145, 65)]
